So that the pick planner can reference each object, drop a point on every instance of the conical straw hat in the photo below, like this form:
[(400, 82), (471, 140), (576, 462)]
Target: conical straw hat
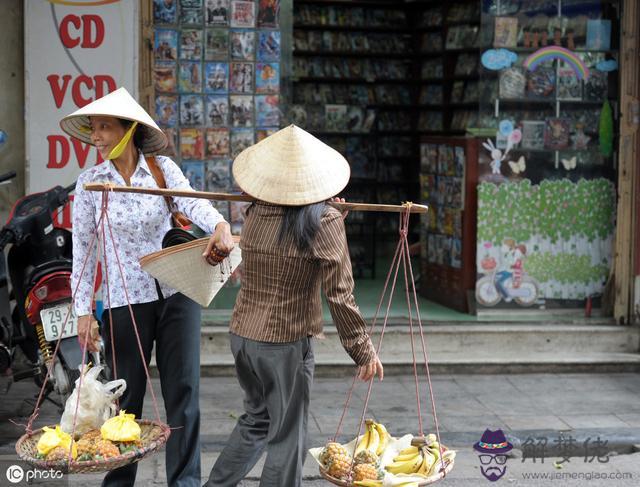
[(119, 104), (183, 268), (291, 167)]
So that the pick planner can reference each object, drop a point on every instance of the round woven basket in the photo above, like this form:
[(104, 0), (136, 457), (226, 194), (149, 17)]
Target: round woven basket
[(430, 480), (153, 436)]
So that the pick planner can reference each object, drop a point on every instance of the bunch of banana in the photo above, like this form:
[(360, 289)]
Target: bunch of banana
[(375, 438), (409, 460), (431, 453)]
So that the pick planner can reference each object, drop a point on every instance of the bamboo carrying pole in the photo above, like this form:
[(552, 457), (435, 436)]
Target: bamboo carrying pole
[(414, 208)]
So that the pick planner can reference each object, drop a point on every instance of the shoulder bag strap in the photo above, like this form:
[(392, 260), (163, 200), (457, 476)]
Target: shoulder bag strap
[(179, 218)]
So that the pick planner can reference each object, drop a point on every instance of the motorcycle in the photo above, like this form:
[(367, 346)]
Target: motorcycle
[(39, 265), (523, 290)]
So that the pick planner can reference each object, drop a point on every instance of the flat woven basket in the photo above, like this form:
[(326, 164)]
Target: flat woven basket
[(429, 480), (153, 436)]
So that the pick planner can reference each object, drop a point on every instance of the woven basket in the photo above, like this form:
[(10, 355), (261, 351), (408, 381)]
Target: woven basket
[(153, 436), (429, 480)]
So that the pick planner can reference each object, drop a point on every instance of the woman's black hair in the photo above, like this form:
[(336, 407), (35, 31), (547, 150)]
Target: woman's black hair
[(301, 223), (138, 135)]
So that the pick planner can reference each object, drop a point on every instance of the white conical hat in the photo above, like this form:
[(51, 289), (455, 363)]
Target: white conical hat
[(291, 167), (118, 104), (183, 268)]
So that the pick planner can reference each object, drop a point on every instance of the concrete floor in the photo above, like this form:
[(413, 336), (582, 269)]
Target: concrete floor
[(581, 406)]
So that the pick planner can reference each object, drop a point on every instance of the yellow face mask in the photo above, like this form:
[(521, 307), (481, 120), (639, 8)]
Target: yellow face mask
[(119, 149)]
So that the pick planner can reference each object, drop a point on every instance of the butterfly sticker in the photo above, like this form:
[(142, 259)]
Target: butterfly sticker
[(519, 166), (569, 164)]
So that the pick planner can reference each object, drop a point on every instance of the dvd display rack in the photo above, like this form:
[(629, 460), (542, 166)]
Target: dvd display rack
[(353, 64), (370, 78)]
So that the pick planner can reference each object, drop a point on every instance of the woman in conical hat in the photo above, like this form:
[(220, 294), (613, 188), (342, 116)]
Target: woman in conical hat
[(123, 132), (293, 245)]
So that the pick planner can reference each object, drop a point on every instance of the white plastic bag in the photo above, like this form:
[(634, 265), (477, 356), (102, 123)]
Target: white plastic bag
[(97, 402)]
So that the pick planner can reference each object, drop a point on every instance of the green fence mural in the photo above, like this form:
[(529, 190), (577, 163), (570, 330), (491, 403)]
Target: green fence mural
[(553, 239)]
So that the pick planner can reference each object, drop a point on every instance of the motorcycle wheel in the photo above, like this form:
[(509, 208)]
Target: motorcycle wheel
[(486, 292)]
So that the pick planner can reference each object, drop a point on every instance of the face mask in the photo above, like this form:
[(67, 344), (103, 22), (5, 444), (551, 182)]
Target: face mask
[(119, 149)]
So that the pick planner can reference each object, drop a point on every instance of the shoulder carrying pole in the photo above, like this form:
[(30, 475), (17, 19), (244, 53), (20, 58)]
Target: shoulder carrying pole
[(413, 208)]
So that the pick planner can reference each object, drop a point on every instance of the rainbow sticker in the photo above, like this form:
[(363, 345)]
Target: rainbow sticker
[(557, 52)]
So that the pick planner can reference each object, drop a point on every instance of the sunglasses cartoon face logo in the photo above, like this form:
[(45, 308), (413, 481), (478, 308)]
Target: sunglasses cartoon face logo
[(492, 449)]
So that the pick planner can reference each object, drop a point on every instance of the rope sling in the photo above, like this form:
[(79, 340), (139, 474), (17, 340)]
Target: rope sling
[(154, 433), (401, 258)]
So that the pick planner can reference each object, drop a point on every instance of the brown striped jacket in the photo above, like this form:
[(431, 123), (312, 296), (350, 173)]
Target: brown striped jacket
[(280, 300)]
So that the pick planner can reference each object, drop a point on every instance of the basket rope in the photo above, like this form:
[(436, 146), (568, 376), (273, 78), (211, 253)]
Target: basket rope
[(400, 258), (28, 442)]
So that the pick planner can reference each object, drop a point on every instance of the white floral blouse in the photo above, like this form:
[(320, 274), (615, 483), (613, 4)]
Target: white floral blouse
[(138, 222)]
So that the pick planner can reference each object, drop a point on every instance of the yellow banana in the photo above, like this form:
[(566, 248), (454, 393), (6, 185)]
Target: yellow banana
[(410, 449), (363, 443), (430, 439), (374, 437), (408, 484), (368, 483), (406, 457), (408, 466), (426, 463), (436, 455), (384, 437)]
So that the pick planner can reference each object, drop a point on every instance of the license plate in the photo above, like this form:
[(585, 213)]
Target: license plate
[(53, 318)]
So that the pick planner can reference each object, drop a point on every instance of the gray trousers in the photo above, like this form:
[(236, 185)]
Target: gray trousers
[(276, 379), (174, 325)]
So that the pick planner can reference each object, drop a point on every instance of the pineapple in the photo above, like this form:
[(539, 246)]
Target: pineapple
[(106, 449), (331, 450), (366, 456), (365, 471), (87, 444), (340, 466), (57, 454)]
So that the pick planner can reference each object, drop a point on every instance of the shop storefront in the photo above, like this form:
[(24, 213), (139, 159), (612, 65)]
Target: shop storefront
[(512, 120)]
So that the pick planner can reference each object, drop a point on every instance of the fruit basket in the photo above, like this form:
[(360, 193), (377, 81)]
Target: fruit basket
[(153, 436), (382, 460)]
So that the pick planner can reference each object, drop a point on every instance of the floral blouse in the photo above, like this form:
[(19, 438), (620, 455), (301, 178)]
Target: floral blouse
[(138, 223)]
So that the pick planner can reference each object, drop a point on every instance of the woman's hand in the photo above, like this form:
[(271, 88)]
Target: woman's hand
[(335, 199), (373, 368), (220, 244), (88, 327)]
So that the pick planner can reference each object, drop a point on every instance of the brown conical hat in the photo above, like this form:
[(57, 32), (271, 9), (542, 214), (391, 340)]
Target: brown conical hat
[(291, 167), (183, 268), (119, 104)]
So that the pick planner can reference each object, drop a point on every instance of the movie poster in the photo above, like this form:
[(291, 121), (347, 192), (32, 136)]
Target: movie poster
[(268, 46), (166, 45), (241, 78), (268, 12), (242, 44), (241, 110), (217, 111), (191, 110), (217, 12), (216, 77), (191, 143), (267, 77), (217, 142), (167, 110), (243, 13)]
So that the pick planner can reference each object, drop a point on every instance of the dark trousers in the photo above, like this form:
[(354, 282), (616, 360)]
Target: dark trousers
[(174, 325), (276, 379)]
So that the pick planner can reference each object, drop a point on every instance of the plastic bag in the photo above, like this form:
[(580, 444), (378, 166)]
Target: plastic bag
[(97, 402), (121, 428), (53, 438)]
